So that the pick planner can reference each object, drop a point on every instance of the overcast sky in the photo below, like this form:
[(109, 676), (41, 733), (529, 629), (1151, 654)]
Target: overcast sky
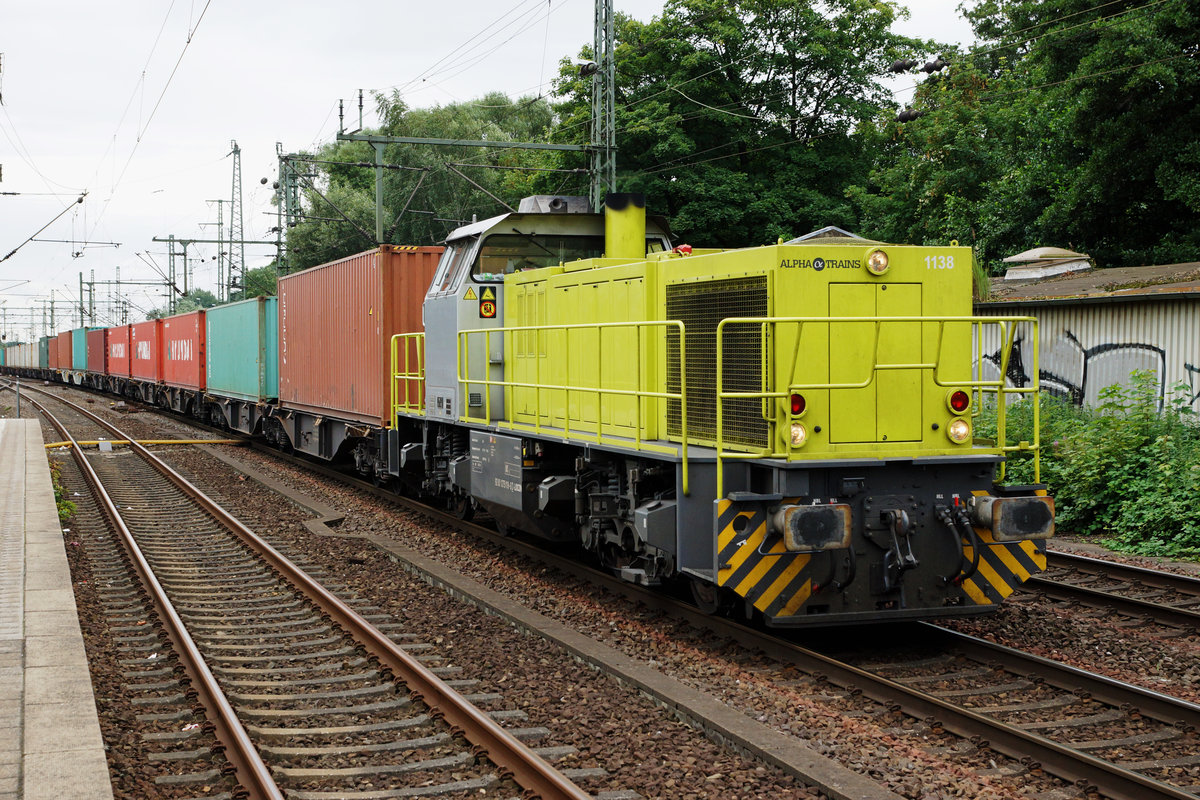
[(113, 99)]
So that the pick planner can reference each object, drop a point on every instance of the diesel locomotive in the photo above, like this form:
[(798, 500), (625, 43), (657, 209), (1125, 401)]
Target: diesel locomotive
[(787, 429)]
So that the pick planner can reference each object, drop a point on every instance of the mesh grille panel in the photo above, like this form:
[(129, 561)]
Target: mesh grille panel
[(701, 307)]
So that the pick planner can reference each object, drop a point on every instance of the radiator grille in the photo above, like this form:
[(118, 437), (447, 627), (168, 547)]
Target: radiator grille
[(701, 307)]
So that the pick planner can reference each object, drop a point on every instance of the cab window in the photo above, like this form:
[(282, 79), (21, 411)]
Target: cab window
[(451, 265), (505, 253)]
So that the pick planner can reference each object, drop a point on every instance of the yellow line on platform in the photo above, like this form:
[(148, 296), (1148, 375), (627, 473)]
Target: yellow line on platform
[(97, 442)]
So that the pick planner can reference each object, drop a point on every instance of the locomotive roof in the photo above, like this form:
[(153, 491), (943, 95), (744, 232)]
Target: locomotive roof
[(654, 224)]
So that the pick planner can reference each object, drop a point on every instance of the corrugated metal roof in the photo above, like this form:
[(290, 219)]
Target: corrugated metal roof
[(1114, 284)]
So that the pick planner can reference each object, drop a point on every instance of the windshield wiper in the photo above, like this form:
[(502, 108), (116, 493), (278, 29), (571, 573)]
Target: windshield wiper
[(530, 237)]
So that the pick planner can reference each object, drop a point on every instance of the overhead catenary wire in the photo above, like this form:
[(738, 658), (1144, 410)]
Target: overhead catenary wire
[(13, 252), (146, 126)]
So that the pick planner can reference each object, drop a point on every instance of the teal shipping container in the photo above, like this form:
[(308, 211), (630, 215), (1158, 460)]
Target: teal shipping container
[(78, 349), (3, 350), (44, 352), (243, 349)]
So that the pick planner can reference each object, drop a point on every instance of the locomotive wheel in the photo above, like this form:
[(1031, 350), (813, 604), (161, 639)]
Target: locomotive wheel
[(705, 595)]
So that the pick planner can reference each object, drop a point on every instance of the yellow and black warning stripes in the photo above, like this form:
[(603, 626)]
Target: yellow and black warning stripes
[(756, 565), (1003, 566)]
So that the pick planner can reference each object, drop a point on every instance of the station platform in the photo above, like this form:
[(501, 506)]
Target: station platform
[(50, 744)]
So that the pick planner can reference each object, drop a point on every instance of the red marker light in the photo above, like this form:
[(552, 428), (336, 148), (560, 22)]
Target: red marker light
[(798, 404), (959, 401)]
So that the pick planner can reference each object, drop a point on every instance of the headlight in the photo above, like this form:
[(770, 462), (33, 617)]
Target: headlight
[(959, 430), (799, 434), (877, 262)]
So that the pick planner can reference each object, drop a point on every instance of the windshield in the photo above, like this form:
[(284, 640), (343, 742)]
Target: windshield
[(505, 253)]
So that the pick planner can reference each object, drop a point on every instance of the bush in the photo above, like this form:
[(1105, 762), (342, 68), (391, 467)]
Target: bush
[(1128, 471), (66, 508)]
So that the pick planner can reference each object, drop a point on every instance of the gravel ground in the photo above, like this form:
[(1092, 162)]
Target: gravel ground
[(620, 732)]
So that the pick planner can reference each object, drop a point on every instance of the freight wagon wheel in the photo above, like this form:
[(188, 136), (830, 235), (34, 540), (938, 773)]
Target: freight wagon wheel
[(463, 507)]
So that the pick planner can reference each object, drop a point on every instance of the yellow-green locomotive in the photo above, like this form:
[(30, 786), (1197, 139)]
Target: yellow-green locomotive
[(788, 428)]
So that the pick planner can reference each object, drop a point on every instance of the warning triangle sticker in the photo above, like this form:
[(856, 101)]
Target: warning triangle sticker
[(488, 294), (470, 295)]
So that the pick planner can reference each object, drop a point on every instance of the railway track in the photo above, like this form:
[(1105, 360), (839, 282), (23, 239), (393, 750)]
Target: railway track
[(302, 693), (1109, 738), (1162, 598)]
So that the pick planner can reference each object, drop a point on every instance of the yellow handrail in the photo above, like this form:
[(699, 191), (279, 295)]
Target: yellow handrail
[(979, 386), (463, 370), (403, 373)]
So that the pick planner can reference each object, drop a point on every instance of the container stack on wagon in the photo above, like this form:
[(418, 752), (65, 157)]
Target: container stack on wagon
[(242, 362), (146, 362), (183, 351), (79, 349), (119, 351), (336, 322), (242, 350), (97, 351)]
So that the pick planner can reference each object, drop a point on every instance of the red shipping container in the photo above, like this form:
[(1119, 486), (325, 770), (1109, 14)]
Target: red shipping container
[(145, 342), (65, 351), (97, 351), (336, 322), (53, 352), (183, 350), (119, 351)]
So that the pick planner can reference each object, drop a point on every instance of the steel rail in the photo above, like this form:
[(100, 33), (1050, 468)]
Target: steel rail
[(1128, 606), (251, 773), (1062, 761), (1059, 760), (1159, 579), (510, 756), (1156, 705), (1121, 604)]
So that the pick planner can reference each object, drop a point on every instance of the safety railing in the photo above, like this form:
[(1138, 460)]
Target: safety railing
[(578, 429), (977, 385), (408, 373)]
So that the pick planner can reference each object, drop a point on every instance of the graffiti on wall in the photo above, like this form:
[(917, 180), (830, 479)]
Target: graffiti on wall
[(1077, 373)]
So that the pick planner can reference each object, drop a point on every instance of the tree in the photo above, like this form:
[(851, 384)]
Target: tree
[(261, 281), (425, 198), (192, 301), (739, 120), (1072, 124)]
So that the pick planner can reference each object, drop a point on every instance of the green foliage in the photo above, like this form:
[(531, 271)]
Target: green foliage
[(1071, 124), (740, 120), (260, 282), (1128, 470), (66, 508), (193, 300), (426, 199)]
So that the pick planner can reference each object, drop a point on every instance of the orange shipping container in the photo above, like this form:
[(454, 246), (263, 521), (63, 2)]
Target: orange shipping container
[(52, 344), (336, 322)]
